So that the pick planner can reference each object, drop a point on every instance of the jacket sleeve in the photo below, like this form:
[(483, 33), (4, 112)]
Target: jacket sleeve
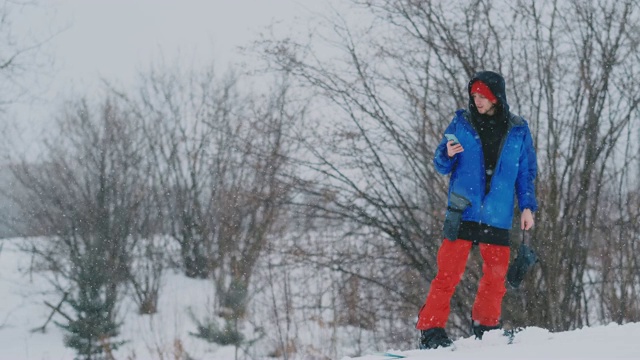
[(527, 171), (443, 163)]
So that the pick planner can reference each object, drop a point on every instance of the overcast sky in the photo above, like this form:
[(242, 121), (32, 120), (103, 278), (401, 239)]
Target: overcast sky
[(116, 39), (112, 38)]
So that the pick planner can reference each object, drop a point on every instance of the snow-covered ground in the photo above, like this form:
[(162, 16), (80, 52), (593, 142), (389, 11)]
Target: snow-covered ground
[(164, 335), (602, 342), (161, 336)]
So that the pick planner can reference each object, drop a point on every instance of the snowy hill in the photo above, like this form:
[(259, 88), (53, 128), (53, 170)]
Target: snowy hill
[(166, 334), (603, 342)]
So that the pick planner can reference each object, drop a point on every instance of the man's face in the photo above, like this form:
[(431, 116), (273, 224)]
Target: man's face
[(483, 104)]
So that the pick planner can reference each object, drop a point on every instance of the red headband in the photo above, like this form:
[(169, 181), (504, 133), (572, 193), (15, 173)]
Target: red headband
[(482, 89)]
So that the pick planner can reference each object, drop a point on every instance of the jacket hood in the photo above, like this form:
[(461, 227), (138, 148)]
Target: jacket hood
[(495, 82)]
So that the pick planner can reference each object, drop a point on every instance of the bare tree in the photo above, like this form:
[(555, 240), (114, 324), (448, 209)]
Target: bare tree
[(24, 53), (25, 64), (571, 68), (372, 169), (575, 76), (220, 164)]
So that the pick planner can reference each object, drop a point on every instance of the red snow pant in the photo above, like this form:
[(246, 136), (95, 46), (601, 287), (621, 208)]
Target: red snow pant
[(452, 260)]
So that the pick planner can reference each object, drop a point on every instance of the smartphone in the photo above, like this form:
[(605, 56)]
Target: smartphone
[(452, 137)]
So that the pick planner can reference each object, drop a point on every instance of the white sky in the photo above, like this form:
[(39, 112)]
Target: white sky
[(117, 39), (113, 38)]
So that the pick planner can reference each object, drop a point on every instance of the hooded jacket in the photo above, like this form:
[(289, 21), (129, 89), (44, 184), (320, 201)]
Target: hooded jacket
[(515, 169)]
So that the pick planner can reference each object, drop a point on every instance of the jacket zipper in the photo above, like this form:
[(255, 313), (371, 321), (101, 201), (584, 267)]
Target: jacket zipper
[(500, 150)]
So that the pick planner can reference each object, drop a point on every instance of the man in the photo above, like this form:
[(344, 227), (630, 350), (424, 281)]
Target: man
[(491, 160)]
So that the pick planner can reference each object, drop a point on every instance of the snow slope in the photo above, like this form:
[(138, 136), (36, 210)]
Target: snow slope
[(602, 342), (163, 335)]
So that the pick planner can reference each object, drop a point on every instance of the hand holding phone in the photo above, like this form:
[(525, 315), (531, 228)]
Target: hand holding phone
[(453, 145), (451, 137)]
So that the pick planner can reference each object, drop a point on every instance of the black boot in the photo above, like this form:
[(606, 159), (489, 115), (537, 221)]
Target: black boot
[(434, 338), (478, 329)]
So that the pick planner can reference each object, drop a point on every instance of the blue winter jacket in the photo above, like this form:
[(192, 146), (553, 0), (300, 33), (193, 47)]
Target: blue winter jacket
[(514, 174)]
